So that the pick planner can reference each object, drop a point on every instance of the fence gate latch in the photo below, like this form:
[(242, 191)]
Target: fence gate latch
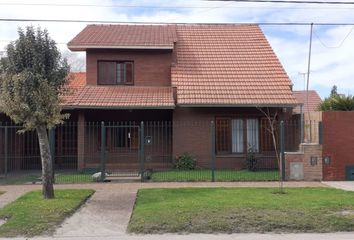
[(148, 140)]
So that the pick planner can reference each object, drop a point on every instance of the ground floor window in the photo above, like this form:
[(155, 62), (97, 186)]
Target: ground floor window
[(237, 135), (253, 135)]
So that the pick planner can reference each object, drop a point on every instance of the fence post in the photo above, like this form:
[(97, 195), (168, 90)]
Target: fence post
[(142, 151), (282, 150), (52, 150), (103, 151), (301, 124), (6, 155), (320, 133), (212, 151)]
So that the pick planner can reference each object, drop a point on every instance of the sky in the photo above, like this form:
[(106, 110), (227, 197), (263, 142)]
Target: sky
[(332, 59)]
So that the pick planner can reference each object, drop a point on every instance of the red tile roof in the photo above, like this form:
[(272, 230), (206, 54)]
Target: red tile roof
[(215, 65), (124, 36), (77, 79), (313, 102), (228, 65), (86, 96)]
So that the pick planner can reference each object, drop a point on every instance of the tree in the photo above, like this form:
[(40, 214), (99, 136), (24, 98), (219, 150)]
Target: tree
[(337, 102), (75, 60), (334, 91), (33, 76), (272, 126)]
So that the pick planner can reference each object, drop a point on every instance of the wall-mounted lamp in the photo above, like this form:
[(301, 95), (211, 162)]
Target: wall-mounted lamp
[(327, 160)]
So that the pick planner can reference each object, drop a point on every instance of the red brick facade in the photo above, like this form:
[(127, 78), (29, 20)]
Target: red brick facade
[(310, 171), (338, 139), (192, 134), (151, 67)]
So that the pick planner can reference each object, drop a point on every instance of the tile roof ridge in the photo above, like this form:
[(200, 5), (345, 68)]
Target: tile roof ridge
[(130, 86), (171, 24)]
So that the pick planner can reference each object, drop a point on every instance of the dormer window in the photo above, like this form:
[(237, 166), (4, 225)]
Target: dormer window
[(115, 73)]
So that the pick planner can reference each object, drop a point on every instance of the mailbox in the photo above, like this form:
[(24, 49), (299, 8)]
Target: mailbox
[(148, 140)]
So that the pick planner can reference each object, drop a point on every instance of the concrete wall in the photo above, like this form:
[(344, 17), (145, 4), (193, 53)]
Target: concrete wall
[(338, 144)]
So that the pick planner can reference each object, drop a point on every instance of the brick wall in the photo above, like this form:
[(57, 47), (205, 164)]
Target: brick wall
[(338, 142), (192, 133), (151, 67), (310, 172)]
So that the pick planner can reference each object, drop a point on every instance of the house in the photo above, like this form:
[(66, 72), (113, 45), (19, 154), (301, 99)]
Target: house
[(173, 88), (308, 108), (311, 105), (181, 73)]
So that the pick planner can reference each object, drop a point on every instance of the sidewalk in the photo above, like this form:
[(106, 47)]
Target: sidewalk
[(344, 185)]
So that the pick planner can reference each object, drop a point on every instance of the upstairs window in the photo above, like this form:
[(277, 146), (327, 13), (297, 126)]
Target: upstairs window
[(115, 73)]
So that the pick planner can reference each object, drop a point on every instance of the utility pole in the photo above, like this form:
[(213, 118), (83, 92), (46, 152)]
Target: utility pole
[(308, 78)]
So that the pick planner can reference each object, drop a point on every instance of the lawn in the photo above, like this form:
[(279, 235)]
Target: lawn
[(59, 178), (242, 210), (220, 175), (31, 215)]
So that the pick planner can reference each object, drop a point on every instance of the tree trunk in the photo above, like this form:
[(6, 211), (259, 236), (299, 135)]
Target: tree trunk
[(47, 165)]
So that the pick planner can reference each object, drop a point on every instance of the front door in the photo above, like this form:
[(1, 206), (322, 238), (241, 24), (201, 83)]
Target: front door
[(122, 150)]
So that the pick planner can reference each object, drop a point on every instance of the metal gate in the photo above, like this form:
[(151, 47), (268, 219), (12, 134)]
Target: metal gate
[(18, 152), (120, 148)]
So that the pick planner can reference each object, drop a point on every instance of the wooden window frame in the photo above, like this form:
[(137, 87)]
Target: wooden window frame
[(116, 80)]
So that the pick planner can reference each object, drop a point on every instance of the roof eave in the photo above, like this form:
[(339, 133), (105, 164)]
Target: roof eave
[(239, 105), (73, 107), (85, 47)]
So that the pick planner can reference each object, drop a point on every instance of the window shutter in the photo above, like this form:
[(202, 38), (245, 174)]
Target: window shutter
[(129, 73), (267, 144), (107, 73), (223, 135)]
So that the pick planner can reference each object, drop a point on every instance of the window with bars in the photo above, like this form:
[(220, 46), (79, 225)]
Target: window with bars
[(236, 135), (115, 73)]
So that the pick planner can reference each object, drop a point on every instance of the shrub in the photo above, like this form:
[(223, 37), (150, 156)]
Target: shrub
[(185, 162), (251, 159)]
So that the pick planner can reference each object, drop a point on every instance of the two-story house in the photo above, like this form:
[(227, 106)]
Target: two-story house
[(170, 88), (221, 73)]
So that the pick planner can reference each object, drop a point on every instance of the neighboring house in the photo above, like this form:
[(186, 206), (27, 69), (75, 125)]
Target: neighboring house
[(311, 115), (188, 74), (310, 106)]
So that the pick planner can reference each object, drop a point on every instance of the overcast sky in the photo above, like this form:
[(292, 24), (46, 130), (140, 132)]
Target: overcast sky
[(333, 46)]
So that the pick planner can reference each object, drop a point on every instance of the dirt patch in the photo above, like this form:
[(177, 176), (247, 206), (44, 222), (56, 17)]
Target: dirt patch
[(2, 222)]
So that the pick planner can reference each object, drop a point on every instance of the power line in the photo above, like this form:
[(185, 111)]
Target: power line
[(291, 2), (100, 5), (154, 7), (339, 45), (179, 23)]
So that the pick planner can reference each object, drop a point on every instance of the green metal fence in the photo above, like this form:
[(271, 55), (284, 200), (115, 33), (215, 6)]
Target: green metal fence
[(152, 151)]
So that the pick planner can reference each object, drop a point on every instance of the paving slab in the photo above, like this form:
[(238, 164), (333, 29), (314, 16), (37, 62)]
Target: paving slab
[(344, 185)]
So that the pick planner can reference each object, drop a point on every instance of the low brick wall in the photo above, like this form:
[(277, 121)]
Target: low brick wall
[(311, 170)]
